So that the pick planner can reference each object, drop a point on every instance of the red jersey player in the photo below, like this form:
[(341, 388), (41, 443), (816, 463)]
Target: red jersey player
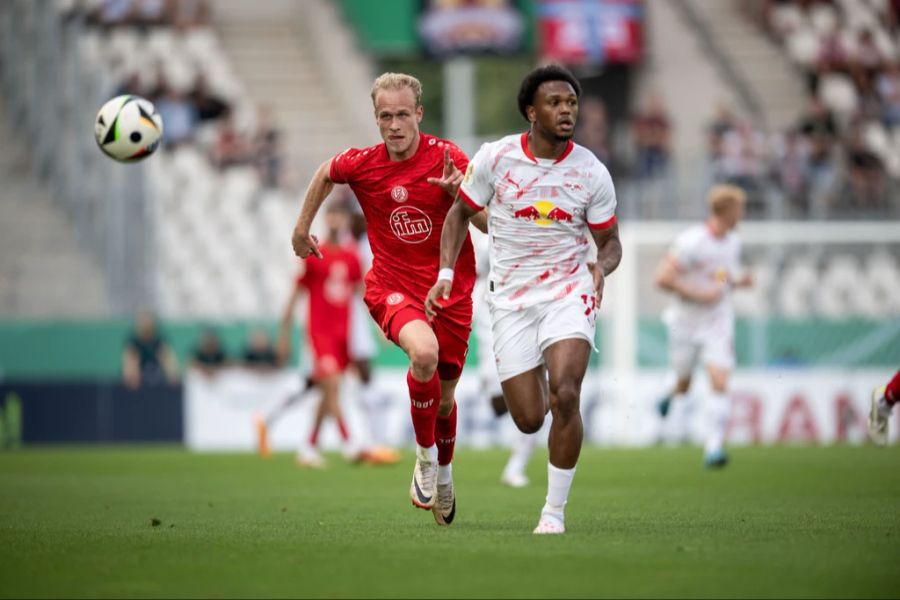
[(331, 284), (405, 187)]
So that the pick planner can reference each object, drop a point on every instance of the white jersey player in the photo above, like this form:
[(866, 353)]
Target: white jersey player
[(547, 195), (701, 269), (513, 473)]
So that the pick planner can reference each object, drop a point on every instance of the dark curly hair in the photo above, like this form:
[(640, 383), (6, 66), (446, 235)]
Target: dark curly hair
[(540, 75)]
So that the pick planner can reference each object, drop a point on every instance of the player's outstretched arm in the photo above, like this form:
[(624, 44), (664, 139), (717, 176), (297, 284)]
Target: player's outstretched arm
[(609, 254), (456, 226), (321, 185), (669, 279), (283, 346)]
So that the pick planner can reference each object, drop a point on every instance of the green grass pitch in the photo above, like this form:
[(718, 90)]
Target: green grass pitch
[(782, 522)]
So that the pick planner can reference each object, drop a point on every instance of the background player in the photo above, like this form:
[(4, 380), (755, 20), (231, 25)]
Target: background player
[(700, 271), (883, 400), (523, 444), (405, 186), (545, 193), (331, 284)]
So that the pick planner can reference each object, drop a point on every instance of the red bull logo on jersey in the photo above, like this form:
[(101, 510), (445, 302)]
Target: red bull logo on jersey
[(410, 224), (543, 213)]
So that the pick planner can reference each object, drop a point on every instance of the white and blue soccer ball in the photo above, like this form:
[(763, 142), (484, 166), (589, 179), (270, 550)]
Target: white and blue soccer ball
[(128, 128)]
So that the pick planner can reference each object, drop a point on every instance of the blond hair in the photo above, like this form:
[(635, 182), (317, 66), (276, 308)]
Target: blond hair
[(724, 196), (397, 81)]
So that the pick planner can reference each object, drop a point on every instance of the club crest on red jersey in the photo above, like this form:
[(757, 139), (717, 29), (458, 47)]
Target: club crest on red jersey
[(399, 193), (410, 224), (395, 298)]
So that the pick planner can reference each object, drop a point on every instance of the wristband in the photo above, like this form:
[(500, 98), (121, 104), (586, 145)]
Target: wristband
[(446, 274)]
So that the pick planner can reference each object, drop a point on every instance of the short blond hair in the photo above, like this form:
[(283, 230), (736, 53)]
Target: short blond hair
[(724, 196), (397, 81)]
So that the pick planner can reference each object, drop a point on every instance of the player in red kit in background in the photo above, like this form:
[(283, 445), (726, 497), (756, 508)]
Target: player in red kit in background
[(331, 284), (405, 186)]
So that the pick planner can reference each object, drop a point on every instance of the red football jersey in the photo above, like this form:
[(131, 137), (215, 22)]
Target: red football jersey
[(405, 215), (331, 282)]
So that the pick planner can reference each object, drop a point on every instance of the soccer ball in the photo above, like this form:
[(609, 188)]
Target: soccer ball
[(128, 128)]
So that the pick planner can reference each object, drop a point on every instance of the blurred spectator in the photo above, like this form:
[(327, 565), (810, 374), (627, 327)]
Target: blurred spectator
[(866, 181), (208, 105), (652, 133), (743, 162), (209, 356), (888, 88), (229, 146), (147, 359), (267, 150), (867, 59), (260, 354), (593, 127), (790, 161), (178, 114), (820, 129), (722, 123)]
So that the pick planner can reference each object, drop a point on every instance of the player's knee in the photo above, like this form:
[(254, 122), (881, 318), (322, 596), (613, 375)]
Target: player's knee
[(529, 422), (564, 397), (423, 359)]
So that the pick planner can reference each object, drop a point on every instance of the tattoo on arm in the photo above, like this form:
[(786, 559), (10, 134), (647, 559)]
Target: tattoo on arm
[(609, 248)]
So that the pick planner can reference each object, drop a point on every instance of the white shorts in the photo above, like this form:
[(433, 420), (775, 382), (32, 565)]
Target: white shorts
[(690, 348), (362, 341), (520, 337), (487, 365)]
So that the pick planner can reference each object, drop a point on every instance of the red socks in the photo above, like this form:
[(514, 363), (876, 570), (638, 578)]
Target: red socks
[(892, 391), (445, 432), (425, 398)]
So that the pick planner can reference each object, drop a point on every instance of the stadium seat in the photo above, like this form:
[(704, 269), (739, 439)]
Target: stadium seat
[(787, 17), (823, 18), (803, 46), (838, 93)]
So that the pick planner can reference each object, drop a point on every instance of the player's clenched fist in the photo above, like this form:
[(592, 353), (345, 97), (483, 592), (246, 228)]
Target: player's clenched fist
[(305, 244), (439, 291)]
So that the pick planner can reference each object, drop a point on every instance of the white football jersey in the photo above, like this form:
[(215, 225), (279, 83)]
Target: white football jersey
[(704, 259), (540, 211)]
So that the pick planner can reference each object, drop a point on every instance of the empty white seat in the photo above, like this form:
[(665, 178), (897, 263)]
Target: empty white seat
[(803, 46), (838, 93)]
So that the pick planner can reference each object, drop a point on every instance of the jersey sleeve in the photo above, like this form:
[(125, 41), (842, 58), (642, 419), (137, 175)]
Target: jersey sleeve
[(344, 165), (683, 252), (601, 212), (477, 188)]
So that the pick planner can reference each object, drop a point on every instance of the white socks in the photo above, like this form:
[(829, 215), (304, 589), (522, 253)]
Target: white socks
[(559, 481), (719, 410), (522, 449), (427, 454), (677, 426), (445, 474)]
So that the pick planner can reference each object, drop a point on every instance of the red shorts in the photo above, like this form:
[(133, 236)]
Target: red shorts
[(331, 355), (452, 325)]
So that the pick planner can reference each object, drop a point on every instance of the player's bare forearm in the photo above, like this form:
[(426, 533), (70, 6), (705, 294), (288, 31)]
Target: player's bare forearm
[(456, 225), (609, 248), (480, 221), (318, 189)]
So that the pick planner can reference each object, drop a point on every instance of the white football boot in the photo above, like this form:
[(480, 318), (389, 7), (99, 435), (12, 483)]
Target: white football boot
[(444, 509), (423, 489), (878, 417)]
